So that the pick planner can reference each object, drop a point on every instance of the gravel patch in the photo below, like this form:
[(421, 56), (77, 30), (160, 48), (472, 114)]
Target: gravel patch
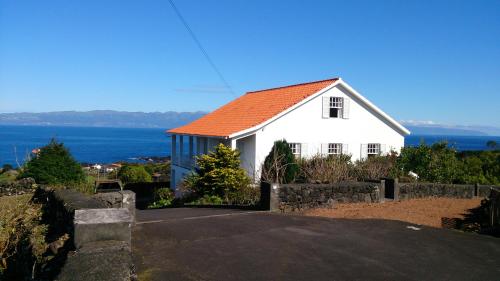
[(428, 211)]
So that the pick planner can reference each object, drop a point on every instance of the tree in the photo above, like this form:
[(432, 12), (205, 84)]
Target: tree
[(218, 174), (280, 165), (54, 164), (436, 163), (134, 174), (6, 167), (491, 144)]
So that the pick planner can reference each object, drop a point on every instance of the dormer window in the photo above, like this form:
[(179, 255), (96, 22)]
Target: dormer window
[(336, 107), (336, 104)]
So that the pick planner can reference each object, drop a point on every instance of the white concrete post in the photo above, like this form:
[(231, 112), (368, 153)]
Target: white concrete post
[(181, 150), (191, 147), (174, 149), (233, 144)]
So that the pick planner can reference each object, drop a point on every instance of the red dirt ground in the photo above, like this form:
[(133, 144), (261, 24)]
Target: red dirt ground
[(428, 211)]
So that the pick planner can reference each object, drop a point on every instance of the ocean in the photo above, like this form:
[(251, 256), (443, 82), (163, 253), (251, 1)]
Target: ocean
[(107, 145)]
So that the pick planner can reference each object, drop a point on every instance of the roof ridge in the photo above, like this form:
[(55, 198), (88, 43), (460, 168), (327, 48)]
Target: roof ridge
[(294, 85)]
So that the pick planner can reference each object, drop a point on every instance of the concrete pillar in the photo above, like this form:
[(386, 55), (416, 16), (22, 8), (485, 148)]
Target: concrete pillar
[(269, 196), (381, 198), (205, 148), (181, 150), (191, 147), (275, 198), (396, 189), (233, 143), (173, 152)]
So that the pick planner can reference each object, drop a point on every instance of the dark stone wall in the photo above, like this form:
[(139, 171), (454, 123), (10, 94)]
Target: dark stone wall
[(494, 208), (22, 186), (118, 199), (422, 190), (294, 197)]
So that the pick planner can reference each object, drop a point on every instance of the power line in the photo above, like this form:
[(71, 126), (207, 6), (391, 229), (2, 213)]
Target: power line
[(198, 43)]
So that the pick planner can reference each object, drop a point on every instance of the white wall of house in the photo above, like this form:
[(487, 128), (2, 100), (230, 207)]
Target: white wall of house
[(247, 149), (306, 125)]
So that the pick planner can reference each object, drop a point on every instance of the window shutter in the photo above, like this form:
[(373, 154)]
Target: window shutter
[(345, 108), (364, 151), (303, 149), (326, 107), (383, 149), (345, 148), (324, 149)]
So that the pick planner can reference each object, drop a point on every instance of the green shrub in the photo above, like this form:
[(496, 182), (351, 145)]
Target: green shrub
[(53, 165), (162, 168), (133, 174), (280, 165), (218, 174), (436, 163), (208, 200), (6, 167), (164, 197)]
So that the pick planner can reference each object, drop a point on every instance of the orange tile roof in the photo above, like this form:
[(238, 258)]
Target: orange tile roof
[(251, 109)]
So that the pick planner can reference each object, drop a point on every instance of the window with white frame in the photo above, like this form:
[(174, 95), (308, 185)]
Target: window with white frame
[(373, 149), (336, 105), (295, 147), (334, 148)]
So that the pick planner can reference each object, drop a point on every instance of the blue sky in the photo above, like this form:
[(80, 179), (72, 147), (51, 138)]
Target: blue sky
[(417, 60)]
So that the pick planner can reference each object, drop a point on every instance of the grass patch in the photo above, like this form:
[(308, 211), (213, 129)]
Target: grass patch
[(21, 232), (7, 177)]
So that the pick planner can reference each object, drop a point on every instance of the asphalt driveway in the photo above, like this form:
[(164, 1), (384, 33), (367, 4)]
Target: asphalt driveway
[(218, 244)]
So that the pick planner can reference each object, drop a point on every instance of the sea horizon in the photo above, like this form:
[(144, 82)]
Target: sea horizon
[(104, 145)]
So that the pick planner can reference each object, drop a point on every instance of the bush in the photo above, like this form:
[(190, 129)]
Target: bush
[(377, 167), (53, 165), (279, 165), (133, 174), (481, 167), (6, 167), (436, 163), (208, 200), (163, 198), (331, 169), (218, 174)]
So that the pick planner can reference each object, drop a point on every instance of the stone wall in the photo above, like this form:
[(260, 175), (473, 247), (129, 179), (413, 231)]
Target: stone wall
[(118, 199), (22, 186), (99, 229), (423, 190), (296, 197)]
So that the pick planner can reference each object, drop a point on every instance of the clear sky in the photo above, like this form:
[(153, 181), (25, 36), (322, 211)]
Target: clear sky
[(417, 60)]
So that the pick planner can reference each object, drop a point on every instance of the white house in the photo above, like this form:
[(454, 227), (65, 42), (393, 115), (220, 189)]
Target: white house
[(326, 117)]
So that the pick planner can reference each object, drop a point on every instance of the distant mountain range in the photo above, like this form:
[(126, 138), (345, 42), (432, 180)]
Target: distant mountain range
[(102, 118), (172, 119)]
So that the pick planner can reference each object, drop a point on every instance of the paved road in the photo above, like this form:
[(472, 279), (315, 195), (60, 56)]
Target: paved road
[(216, 244)]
